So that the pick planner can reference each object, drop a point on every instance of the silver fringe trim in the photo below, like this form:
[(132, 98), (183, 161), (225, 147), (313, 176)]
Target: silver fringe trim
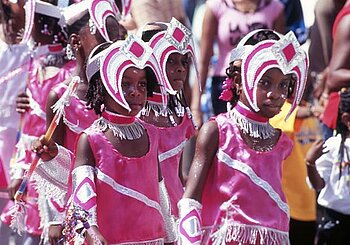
[(248, 234), (253, 128), (131, 131), (169, 220), (158, 110)]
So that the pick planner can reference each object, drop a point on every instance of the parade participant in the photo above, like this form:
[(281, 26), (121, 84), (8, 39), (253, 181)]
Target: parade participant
[(89, 24), (234, 188), (113, 154), (174, 122)]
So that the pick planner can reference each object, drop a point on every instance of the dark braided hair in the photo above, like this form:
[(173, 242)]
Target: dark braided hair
[(342, 129), (235, 70), (96, 91)]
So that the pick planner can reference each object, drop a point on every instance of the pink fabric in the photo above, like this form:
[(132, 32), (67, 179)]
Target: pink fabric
[(170, 138), (3, 180), (122, 218), (233, 25), (223, 182), (77, 117), (35, 125)]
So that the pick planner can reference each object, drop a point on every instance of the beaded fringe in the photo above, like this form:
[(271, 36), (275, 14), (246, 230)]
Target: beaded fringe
[(253, 128), (158, 109), (130, 131)]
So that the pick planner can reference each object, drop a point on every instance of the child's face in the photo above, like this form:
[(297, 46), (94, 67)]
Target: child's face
[(272, 91), (177, 70), (134, 86)]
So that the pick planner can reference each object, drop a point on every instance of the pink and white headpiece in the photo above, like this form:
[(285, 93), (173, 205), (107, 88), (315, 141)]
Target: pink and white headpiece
[(99, 11), (132, 53), (176, 39), (284, 54), (64, 13)]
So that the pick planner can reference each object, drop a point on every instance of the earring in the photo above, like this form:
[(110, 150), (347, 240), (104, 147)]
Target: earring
[(92, 27), (69, 52)]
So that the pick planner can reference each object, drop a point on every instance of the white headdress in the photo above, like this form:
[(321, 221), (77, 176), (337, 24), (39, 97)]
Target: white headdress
[(99, 11), (114, 61), (176, 39), (284, 54)]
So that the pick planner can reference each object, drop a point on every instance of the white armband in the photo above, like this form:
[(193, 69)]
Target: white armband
[(169, 220), (190, 225), (84, 191)]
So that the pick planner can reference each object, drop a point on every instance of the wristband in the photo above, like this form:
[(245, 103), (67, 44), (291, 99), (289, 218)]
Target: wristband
[(190, 225), (84, 191)]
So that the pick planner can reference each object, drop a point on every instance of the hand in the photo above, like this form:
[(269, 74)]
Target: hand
[(22, 103), (317, 111), (315, 151), (55, 234), (45, 149), (13, 187), (100, 239)]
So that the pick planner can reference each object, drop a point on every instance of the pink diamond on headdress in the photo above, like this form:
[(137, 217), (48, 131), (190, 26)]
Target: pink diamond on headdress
[(178, 34), (289, 52), (137, 50)]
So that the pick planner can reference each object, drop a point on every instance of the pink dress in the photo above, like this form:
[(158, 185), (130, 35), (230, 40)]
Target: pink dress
[(171, 145), (248, 183), (35, 126), (128, 209)]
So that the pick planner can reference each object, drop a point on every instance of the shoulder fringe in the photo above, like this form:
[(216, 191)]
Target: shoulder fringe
[(248, 234)]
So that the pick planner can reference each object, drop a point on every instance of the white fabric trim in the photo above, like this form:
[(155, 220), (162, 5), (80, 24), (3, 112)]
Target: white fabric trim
[(172, 152), (159, 241), (244, 168), (127, 191), (249, 234)]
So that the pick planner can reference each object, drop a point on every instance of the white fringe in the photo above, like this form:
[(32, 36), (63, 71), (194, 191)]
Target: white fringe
[(18, 217), (130, 131), (158, 109), (253, 128), (248, 234)]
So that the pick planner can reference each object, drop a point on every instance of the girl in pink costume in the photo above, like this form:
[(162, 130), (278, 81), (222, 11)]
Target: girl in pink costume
[(52, 185), (44, 33), (234, 188), (173, 49), (117, 177)]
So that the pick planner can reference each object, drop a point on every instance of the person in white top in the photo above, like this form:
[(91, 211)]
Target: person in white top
[(328, 165)]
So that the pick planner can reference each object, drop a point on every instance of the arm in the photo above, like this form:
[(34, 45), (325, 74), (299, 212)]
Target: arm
[(83, 177), (312, 155), (339, 66), (206, 147), (190, 230), (209, 32)]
